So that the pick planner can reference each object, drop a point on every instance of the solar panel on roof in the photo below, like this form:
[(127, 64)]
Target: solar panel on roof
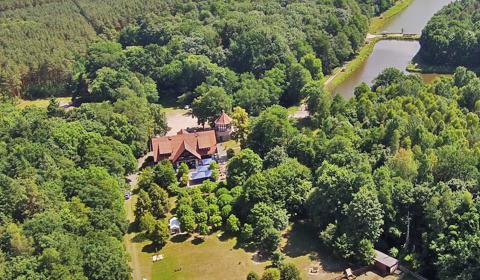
[(201, 175), (206, 161), (203, 168)]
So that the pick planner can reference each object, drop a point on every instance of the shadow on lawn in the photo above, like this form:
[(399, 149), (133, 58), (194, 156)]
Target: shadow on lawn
[(179, 238), (304, 123), (303, 240), (151, 248), (198, 240), (240, 244), (139, 237)]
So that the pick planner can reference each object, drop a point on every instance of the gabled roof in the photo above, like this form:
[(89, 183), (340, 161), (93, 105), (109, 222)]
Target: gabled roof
[(223, 119), (182, 148), (198, 144)]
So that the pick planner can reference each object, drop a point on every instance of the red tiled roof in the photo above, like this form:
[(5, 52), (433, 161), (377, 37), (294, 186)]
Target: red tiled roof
[(223, 119), (198, 144)]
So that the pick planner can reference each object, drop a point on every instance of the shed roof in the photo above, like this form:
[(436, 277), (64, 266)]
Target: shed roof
[(385, 259), (174, 223)]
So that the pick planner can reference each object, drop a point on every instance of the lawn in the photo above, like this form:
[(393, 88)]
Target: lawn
[(302, 247), (140, 262), (42, 103), (213, 258), (218, 258), (231, 144), (221, 258)]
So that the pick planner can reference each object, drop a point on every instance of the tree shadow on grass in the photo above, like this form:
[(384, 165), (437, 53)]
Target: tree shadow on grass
[(132, 227), (198, 240), (303, 240), (240, 244), (148, 162), (304, 123), (139, 237), (225, 236), (151, 248), (179, 238)]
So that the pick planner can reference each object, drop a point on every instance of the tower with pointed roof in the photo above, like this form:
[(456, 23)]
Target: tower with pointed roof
[(223, 127)]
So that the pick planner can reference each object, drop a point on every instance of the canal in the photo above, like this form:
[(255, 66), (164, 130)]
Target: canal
[(394, 53)]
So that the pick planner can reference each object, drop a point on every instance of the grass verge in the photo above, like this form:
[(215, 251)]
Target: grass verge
[(424, 68), (41, 103), (352, 65), (341, 74), (377, 23)]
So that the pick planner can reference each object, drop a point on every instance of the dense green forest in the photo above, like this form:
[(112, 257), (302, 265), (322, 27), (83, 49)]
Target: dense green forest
[(451, 37), (62, 178), (41, 40), (395, 168)]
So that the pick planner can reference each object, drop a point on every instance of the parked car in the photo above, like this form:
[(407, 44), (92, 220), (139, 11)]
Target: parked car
[(128, 194)]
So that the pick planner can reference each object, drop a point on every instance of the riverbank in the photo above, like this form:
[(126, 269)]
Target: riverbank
[(340, 74), (377, 23), (421, 67)]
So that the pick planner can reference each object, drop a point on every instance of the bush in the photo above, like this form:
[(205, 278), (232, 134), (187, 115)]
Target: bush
[(230, 153), (277, 259), (253, 276), (215, 221), (290, 272), (226, 211), (271, 274), (233, 224), (247, 232)]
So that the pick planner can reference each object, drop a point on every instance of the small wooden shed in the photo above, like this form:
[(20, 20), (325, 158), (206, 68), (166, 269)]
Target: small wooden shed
[(174, 225), (384, 263)]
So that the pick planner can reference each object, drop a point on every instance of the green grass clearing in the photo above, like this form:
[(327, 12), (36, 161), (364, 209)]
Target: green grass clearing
[(302, 247), (231, 144), (140, 262), (211, 259), (41, 103), (377, 23), (216, 258)]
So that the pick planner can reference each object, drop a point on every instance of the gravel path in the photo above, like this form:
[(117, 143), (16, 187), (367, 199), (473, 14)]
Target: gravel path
[(180, 119)]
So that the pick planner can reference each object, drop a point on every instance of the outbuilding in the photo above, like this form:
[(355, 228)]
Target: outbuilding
[(384, 263), (174, 225)]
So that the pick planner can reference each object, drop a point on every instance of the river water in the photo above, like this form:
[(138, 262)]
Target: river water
[(394, 53)]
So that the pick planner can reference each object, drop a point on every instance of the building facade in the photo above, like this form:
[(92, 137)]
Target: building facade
[(223, 127)]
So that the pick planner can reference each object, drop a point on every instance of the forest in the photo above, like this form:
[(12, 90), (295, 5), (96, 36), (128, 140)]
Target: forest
[(395, 168), (62, 182), (42, 40), (451, 37)]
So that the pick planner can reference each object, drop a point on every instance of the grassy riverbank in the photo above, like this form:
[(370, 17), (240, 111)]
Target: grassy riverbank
[(430, 69), (377, 23), (423, 68), (340, 74)]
